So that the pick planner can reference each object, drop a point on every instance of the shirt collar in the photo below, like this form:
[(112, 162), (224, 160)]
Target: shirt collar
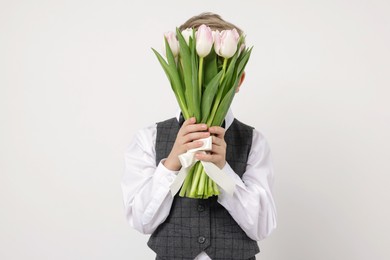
[(228, 118)]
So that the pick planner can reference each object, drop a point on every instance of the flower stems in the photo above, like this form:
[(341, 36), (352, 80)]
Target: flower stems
[(187, 183), (200, 78), (198, 185), (202, 183), (224, 69), (195, 180)]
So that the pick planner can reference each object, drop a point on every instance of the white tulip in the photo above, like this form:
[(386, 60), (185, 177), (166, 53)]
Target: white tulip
[(173, 43), (204, 41), (226, 43), (187, 33)]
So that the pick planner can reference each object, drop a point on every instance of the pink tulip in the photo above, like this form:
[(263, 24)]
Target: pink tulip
[(187, 34), (204, 40), (173, 43), (225, 43), (242, 48), (215, 34)]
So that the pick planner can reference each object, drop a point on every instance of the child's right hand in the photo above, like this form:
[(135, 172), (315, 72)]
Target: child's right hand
[(189, 132)]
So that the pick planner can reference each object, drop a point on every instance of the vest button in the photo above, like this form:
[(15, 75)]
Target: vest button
[(201, 239), (200, 207)]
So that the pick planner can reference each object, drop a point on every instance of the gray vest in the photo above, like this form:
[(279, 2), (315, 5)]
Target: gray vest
[(196, 225)]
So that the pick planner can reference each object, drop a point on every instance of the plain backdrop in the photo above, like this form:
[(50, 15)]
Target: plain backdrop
[(78, 79)]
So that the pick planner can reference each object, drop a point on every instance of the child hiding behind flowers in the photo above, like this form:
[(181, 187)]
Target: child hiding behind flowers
[(221, 227)]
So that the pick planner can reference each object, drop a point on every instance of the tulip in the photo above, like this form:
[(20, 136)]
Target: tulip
[(173, 42), (204, 43), (215, 34), (187, 33), (226, 43), (204, 40), (242, 48)]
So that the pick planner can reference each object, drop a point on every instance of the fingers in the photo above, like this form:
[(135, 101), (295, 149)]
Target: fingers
[(208, 157), (190, 132), (218, 136), (189, 121), (195, 136), (186, 140), (218, 131), (218, 153), (193, 145), (218, 141), (190, 126), (216, 158)]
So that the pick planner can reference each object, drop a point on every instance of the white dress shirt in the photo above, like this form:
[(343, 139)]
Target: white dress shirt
[(147, 198)]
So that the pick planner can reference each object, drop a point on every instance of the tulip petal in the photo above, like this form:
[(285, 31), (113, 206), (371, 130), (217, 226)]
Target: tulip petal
[(204, 41), (187, 34)]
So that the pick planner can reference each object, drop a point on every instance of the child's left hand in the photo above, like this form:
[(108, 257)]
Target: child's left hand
[(218, 152)]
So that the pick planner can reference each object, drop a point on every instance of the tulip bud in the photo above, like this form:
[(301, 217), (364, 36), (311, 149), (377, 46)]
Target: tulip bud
[(187, 33), (204, 40), (217, 41), (226, 43), (215, 34), (242, 48), (173, 43)]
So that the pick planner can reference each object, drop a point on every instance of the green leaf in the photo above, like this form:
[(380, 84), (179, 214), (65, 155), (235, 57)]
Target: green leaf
[(194, 70), (174, 79), (208, 96), (176, 82), (229, 74), (232, 79), (184, 49), (186, 63), (210, 67), (243, 60), (163, 63), (184, 87), (169, 54), (223, 107)]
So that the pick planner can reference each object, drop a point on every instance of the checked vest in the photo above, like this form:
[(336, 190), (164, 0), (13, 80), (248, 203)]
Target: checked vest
[(196, 225)]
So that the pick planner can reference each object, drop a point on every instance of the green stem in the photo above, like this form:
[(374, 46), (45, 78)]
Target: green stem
[(200, 78), (187, 183), (206, 187), (186, 115), (202, 183), (210, 188), (216, 190), (195, 180), (224, 69)]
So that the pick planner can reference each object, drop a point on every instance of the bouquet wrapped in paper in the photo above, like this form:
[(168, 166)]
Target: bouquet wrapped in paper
[(204, 68)]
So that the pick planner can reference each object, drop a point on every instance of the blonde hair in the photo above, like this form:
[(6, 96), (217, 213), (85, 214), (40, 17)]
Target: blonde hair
[(214, 21)]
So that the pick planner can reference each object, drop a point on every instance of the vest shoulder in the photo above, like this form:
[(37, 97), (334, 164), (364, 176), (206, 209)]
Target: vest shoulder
[(169, 121), (237, 123)]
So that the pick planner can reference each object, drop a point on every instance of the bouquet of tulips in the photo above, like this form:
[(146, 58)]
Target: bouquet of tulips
[(204, 80)]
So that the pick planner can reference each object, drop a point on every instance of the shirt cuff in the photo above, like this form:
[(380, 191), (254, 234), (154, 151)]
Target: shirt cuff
[(225, 199), (163, 175), (230, 172)]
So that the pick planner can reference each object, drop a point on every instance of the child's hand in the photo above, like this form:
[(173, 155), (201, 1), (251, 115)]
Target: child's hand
[(188, 133), (218, 152)]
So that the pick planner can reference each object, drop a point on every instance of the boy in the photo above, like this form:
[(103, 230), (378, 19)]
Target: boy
[(222, 227)]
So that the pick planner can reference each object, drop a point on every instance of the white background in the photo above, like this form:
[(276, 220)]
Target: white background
[(78, 79)]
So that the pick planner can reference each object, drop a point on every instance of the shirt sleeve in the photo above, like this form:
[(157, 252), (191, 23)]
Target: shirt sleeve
[(145, 186), (252, 205)]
